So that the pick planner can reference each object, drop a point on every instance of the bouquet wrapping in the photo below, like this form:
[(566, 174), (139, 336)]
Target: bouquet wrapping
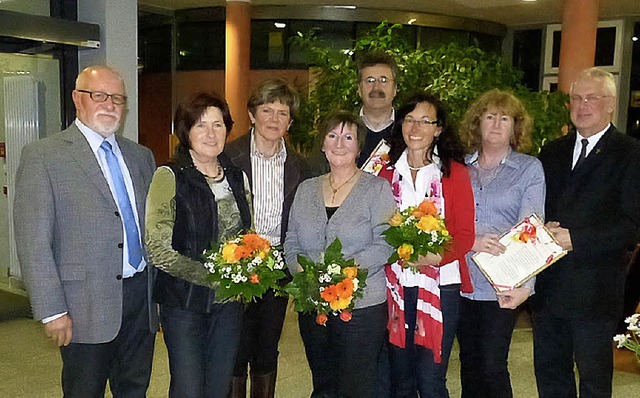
[(244, 267), (415, 231), (329, 287)]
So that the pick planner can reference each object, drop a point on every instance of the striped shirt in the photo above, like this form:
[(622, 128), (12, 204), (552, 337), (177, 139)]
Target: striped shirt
[(268, 191)]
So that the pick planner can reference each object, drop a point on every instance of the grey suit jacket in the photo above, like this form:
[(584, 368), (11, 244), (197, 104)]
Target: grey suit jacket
[(69, 236)]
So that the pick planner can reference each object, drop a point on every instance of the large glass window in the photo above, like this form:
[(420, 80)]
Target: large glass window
[(201, 45), (527, 47)]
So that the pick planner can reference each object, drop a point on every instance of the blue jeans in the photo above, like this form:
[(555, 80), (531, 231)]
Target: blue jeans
[(202, 349), (343, 356), (413, 368), (484, 336)]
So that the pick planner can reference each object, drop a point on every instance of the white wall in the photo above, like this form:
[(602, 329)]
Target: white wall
[(118, 20)]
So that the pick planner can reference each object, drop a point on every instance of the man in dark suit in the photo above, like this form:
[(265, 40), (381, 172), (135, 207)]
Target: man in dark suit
[(274, 170), (79, 218), (593, 209)]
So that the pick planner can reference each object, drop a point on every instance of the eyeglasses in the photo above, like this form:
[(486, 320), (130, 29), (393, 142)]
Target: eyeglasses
[(589, 99), (382, 80), (100, 96), (409, 121)]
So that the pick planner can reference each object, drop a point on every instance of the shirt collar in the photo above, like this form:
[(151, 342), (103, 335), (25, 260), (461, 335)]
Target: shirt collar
[(280, 154), (593, 140), (472, 159), (388, 123), (94, 139)]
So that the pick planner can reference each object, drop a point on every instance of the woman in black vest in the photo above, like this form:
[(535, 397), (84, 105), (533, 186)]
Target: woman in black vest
[(197, 198)]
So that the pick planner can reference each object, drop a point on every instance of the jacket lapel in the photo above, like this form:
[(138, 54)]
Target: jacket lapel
[(134, 171), (86, 159)]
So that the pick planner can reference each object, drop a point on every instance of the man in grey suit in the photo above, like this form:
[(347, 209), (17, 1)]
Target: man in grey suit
[(79, 208)]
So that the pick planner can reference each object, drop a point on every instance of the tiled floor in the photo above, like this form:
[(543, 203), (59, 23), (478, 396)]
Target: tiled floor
[(30, 365)]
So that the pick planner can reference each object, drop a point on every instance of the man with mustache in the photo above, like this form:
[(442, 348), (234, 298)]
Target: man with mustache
[(377, 84), (79, 218)]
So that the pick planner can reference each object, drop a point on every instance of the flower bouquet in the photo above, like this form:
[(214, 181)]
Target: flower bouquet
[(244, 267), (631, 341), (329, 287), (415, 231)]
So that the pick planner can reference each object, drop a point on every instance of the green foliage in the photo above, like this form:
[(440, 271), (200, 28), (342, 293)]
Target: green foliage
[(457, 73), (306, 286)]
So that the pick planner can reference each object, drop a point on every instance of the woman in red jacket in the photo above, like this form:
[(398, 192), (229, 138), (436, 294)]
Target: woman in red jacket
[(427, 163)]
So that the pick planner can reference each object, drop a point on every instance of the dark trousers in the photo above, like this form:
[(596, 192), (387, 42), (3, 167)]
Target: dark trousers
[(343, 356), (202, 349), (125, 361), (484, 336), (262, 327), (557, 342), (413, 367)]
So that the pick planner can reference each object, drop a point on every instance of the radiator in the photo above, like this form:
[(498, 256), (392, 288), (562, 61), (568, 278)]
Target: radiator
[(22, 126)]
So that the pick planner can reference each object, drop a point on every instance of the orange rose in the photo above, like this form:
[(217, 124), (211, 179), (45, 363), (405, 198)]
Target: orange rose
[(242, 252), (417, 213), (428, 224), (346, 316), (405, 251), (428, 207), (254, 278), (256, 242), (396, 219), (329, 294), (322, 319), (350, 272)]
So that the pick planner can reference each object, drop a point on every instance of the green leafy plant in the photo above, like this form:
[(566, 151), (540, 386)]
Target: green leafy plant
[(457, 73)]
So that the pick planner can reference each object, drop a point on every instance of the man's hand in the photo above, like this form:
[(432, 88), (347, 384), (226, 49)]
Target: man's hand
[(489, 244), (511, 299), (59, 330), (562, 235)]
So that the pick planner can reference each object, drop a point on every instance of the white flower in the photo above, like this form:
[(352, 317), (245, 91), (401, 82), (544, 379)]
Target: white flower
[(620, 339), (355, 284), (333, 269), (256, 261), (633, 319), (276, 253)]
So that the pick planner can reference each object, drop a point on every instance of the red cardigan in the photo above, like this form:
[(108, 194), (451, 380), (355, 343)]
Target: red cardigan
[(459, 217)]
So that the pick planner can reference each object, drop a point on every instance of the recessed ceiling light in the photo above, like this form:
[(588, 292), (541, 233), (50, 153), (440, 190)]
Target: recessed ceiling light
[(529, 1), (280, 25), (411, 21), (634, 38)]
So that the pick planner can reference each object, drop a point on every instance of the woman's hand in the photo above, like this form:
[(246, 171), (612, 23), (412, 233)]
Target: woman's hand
[(489, 244), (430, 260), (511, 299)]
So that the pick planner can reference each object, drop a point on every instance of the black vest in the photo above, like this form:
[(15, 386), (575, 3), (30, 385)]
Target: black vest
[(195, 227)]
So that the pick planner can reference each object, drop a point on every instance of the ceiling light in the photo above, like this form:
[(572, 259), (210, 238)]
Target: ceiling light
[(280, 25), (634, 38), (411, 21)]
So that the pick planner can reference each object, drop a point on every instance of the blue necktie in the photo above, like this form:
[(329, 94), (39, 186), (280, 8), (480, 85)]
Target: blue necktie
[(126, 211)]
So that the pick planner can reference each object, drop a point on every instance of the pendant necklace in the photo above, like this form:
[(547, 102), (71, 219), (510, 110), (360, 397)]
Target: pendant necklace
[(335, 190)]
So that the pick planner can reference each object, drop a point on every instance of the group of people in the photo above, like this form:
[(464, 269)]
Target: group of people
[(103, 236)]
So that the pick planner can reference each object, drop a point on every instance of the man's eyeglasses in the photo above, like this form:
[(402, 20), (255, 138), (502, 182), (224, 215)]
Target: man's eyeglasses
[(100, 96), (409, 121), (382, 80), (589, 99)]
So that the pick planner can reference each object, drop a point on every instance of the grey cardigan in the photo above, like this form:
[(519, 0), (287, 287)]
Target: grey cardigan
[(359, 223)]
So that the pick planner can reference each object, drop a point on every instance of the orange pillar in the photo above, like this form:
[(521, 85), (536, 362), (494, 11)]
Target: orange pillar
[(237, 64), (578, 46)]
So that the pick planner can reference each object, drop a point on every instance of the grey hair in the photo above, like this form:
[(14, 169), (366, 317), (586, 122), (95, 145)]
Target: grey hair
[(598, 74)]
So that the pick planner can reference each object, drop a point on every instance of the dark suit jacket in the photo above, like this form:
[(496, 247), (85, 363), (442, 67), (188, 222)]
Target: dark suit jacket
[(295, 171), (68, 232), (599, 203)]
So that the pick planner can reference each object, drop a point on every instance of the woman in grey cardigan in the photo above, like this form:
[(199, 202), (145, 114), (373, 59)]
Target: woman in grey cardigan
[(354, 206)]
